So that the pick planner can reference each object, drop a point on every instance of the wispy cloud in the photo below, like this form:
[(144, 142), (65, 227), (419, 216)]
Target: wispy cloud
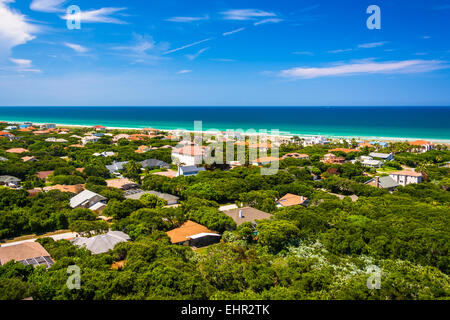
[(97, 16), (197, 54), (340, 50), (47, 5), (187, 19), (76, 47), (14, 29), (271, 20), (425, 37), (187, 46), (246, 14), (367, 67), (143, 49), (372, 44), (233, 31), (21, 62), (184, 71)]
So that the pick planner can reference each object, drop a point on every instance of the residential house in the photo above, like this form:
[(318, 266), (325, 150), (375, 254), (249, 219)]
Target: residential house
[(27, 253), (405, 177), (44, 174), (189, 170), (56, 140), (421, 146), (295, 155), (383, 156), (292, 200), (123, 183), (332, 158), (11, 128), (380, 144), (169, 173), (99, 128), (247, 214), (104, 154), (17, 150), (49, 126), (171, 199), (87, 199), (115, 167), (311, 141), (188, 155), (383, 183), (116, 138), (29, 159), (4, 134), (265, 160), (75, 189), (9, 181), (367, 161), (143, 149), (154, 163), (345, 150), (101, 243), (88, 139), (3, 159), (193, 234)]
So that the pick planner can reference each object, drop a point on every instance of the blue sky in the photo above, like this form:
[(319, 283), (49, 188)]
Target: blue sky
[(182, 52)]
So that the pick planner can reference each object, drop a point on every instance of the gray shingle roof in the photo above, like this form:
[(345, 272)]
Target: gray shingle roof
[(9, 179), (151, 163), (83, 197), (101, 243), (116, 166), (191, 169)]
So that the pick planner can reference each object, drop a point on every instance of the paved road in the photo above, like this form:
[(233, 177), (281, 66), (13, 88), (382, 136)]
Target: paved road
[(55, 237)]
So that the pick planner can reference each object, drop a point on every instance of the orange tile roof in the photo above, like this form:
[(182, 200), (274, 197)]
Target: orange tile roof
[(343, 150), (188, 229), (291, 200), (366, 144), (267, 159), (419, 143), (27, 158), (295, 156), (260, 145), (76, 146), (17, 150), (44, 174), (241, 143), (189, 150)]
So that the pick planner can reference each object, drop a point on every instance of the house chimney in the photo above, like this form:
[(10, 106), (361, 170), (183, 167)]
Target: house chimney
[(302, 198), (240, 213)]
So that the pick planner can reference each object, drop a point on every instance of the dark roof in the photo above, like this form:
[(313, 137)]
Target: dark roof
[(151, 163), (249, 214)]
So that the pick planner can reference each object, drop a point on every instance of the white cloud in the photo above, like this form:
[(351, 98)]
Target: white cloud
[(246, 14), (367, 67), (184, 71), (372, 44), (97, 16), (47, 5), (14, 29), (21, 62), (143, 49), (339, 50), (187, 19), (197, 54), (187, 46), (78, 48), (426, 37), (271, 20), (233, 31)]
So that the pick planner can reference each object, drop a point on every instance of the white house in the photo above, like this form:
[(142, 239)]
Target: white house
[(405, 177), (189, 155), (88, 139), (384, 156), (87, 199)]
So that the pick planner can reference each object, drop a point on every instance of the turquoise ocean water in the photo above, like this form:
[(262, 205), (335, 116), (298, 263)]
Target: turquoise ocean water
[(389, 122)]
